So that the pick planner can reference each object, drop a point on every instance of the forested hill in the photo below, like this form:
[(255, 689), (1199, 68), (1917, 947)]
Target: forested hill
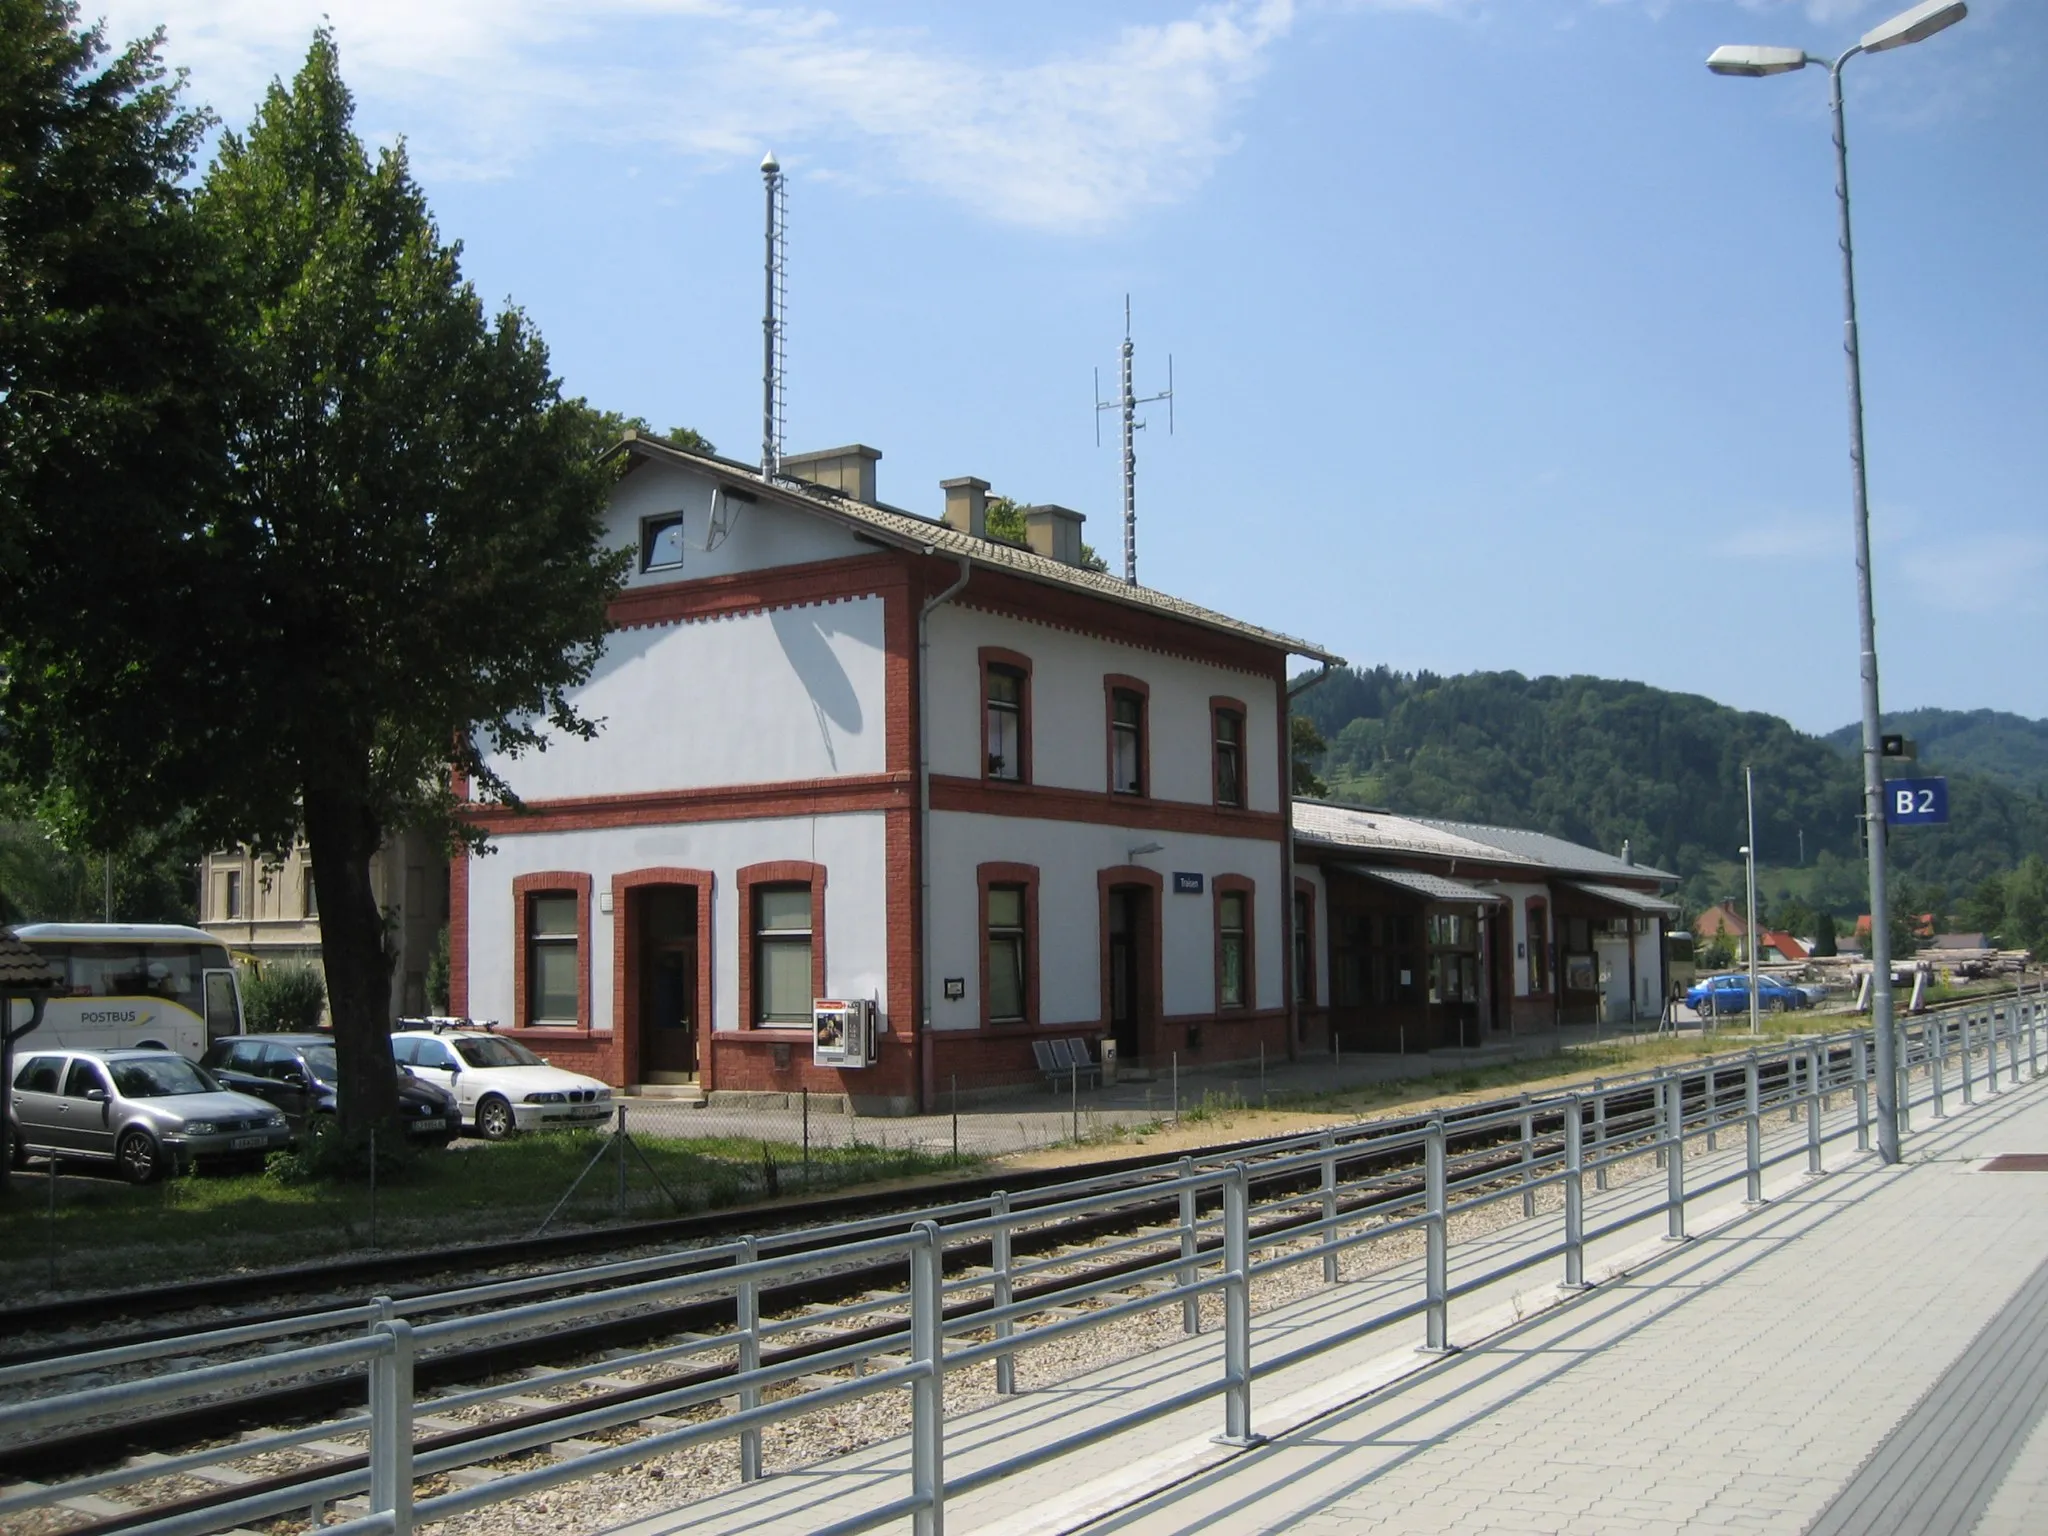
[(1599, 760), (2009, 748)]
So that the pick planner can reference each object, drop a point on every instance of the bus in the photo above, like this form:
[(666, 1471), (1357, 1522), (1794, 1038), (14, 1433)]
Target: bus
[(1679, 960), (154, 985)]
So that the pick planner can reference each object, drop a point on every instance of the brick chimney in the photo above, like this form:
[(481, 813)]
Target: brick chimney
[(850, 470), (1054, 532), (966, 505)]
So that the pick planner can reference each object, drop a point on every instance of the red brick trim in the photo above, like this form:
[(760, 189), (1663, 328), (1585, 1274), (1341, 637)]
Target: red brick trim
[(1219, 705), (724, 802), (626, 1021), (996, 655), (782, 586), (551, 882), (1026, 875), (779, 872), (1153, 1012), (1114, 683), (1083, 613), (1306, 985), (458, 931), (1041, 802), (1237, 885)]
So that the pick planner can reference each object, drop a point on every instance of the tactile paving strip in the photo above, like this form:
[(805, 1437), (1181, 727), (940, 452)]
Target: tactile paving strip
[(1937, 1471)]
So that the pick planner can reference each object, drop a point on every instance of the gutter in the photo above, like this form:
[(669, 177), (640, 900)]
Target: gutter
[(927, 1090), (1294, 690)]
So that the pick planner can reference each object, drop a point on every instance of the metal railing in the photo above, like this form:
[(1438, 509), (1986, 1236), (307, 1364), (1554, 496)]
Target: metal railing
[(1174, 1236)]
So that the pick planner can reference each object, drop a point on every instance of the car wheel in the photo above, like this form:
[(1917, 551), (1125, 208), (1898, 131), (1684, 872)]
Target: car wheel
[(494, 1120), (139, 1159), (17, 1149), (1775, 1005)]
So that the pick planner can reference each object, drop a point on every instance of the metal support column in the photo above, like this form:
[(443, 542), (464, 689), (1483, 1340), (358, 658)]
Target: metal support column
[(1969, 1094), (1528, 1161), (1674, 1165), (1599, 1134), (928, 1391), (1191, 1307), (1330, 1206), (391, 1427), (1237, 1307), (999, 1288), (1937, 1061), (1574, 1195), (1813, 1163), (1861, 1052), (1436, 1264), (1753, 1129), (748, 1302)]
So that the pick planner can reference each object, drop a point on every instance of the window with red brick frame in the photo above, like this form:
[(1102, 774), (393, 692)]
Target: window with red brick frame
[(1009, 943), (1126, 701), (1234, 977), (771, 938), (550, 937), (1228, 764), (1005, 715)]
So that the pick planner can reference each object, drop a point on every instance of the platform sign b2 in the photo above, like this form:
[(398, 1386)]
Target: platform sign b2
[(1916, 802)]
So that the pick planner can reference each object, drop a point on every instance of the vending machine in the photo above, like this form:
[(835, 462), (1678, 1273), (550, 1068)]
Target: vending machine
[(843, 1032)]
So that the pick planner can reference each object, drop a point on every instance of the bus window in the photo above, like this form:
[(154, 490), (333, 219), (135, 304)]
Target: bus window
[(106, 970)]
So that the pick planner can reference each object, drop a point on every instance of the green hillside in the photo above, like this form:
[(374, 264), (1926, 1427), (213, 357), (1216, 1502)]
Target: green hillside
[(2011, 749), (1599, 760)]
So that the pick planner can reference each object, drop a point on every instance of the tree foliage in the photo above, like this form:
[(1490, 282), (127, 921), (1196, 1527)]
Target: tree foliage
[(389, 556), (1599, 761), (283, 997), (1004, 519)]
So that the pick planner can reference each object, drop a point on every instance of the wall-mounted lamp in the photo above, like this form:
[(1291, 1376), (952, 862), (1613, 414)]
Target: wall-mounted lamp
[(1145, 848)]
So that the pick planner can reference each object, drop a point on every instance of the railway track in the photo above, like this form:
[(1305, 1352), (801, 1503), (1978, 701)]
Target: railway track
[(836, 1307)]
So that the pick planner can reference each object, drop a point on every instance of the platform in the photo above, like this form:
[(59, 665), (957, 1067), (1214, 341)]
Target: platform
[(1866, 1352)]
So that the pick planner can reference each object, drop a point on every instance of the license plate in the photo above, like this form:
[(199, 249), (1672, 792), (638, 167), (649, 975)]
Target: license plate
[(431, 1127), (245, 1143)]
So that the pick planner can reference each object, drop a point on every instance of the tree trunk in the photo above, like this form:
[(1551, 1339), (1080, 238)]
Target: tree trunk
[(342, 836)]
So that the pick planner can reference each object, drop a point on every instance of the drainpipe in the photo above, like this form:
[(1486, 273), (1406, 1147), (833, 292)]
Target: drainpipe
[(1293, 691), (927, 1089)]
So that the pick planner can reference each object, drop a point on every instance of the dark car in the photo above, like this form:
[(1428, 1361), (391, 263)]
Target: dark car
[(297, 1073)]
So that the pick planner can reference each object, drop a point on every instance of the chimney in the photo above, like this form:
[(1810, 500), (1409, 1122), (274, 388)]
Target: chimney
[(966, 505), (1627, 855), (850, 470), (1054, 532)]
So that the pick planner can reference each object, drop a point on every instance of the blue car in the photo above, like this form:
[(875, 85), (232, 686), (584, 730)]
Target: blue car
[(1730, 994)]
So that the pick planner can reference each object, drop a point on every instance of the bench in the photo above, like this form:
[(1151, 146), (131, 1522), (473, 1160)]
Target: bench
[(1065, 1061)]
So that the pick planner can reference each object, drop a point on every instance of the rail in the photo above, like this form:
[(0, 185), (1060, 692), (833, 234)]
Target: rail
[(1295, 1201)]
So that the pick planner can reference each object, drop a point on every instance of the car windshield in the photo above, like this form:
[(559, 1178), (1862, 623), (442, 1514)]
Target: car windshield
[(496, 1053), (320, 1062), (159, 1077)]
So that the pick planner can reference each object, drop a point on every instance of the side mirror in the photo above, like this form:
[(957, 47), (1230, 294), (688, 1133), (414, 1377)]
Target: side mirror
[(96, 1095), (293, 1079)]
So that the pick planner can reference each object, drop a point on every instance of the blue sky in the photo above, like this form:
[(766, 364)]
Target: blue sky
[(1505, 335)]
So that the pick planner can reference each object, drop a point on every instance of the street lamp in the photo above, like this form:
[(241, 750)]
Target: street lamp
[(1749, 861), (1910, 26)]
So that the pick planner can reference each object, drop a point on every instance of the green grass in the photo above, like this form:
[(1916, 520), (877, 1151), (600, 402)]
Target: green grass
[(110, 1235)]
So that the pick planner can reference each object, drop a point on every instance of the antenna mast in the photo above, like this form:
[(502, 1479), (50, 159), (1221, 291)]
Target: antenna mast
[(1127, 401), (772, 317)]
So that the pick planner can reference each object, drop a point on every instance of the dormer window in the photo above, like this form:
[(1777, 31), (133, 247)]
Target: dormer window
[(661, 543)]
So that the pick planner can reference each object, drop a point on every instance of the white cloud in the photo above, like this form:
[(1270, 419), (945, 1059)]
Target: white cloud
[(1981, 573), (1069, 140)]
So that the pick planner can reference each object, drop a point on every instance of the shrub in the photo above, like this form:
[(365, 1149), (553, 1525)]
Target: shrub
[(283, 997), (326, 1154), (437, 975)]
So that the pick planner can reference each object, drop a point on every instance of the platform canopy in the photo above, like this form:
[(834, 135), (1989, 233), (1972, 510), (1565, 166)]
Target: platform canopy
[(1428, 887), (1622, 896)]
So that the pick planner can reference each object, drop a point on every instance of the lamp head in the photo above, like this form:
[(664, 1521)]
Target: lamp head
[(1915, 25), (1753, 62)]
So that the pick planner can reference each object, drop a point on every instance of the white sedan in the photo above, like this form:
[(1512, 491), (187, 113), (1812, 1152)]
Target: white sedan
[(500, 1085)]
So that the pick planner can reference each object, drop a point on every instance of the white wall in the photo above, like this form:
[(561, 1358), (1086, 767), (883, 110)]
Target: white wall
[(1518, 897), (851, 847), (758, 535), (1068, 856), (796, 693), (1069, 747)]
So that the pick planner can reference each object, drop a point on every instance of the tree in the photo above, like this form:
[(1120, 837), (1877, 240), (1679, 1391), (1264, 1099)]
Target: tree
[(401, 566), (1307, 747), (1003, 518)]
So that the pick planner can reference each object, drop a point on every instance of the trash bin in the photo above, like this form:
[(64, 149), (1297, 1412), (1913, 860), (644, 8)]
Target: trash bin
[(1108, 1062)]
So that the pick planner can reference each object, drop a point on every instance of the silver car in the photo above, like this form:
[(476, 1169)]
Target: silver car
[(146, 1112)]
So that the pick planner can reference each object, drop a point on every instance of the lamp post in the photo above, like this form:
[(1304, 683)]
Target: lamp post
[(1909, 26), (1749, 863)]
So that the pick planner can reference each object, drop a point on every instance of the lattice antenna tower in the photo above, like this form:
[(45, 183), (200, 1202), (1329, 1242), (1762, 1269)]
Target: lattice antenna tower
[(1127, 401), (774, 317)]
